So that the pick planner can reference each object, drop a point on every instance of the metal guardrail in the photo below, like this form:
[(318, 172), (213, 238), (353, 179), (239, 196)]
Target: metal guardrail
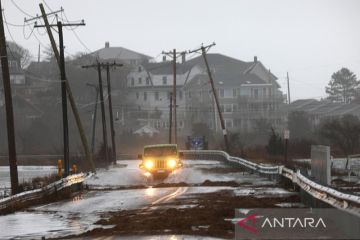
[(347, 202), (37, 194)]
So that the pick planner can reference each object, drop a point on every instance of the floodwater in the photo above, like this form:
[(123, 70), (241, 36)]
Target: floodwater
[(25, 173), (78, 215)]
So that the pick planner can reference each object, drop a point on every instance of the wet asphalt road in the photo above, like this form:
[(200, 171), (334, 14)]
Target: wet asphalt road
[(79, 214)]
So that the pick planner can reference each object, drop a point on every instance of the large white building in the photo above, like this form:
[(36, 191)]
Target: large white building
[(149, 88)]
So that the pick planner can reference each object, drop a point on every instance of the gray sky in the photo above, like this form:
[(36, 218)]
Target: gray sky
[(310, 39)]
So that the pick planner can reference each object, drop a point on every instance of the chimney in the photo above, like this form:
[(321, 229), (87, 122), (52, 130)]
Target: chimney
[(183, 58), (255, 59), (107, 44), (164, 58)]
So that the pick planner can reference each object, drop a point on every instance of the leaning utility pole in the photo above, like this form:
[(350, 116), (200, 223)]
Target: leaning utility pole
[(68, 89), (174, 56), (288, 86), (9, 109), (170, 116), (112, 130), (204, 49)]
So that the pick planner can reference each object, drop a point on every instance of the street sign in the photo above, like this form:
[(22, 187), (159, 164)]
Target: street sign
[(286, 134)]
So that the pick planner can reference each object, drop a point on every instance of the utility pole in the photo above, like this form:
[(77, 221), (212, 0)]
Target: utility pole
[(39, 54), (68, 89), (9, 109), (170, 117), (288, 86), (94, 117), (102, 104), (174, 56), (64, 102), (112, 130), (204, 49)]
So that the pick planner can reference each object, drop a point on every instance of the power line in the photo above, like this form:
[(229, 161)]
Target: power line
[(21, 9)]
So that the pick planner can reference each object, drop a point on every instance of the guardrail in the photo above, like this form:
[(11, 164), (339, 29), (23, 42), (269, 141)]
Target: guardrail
[(347, 202), (38, 194)]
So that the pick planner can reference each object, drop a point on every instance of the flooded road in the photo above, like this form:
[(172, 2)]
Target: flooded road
[(80, 214)]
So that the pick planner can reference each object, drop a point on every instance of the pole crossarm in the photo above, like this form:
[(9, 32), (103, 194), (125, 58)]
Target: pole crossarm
[(171, 53), (82, 23), (48, 14), (199, 50)]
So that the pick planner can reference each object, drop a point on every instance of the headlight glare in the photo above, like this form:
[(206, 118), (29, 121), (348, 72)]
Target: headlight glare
[(171, 163), (149, 164)]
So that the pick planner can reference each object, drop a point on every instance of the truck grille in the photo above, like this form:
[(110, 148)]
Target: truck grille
[(160, 164)]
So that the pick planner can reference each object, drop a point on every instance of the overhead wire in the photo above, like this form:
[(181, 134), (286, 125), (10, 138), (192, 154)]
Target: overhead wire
[(14, 3)]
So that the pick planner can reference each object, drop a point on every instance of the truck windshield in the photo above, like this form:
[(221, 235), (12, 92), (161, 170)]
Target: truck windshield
[(160, 151)]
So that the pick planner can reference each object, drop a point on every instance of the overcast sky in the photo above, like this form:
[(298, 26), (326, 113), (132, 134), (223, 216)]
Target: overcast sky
[(309, 39)]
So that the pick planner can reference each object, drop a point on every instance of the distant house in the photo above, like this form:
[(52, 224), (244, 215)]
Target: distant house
[(17, 75), (247, 93), (146, 131), (124, 55), (319, 110)]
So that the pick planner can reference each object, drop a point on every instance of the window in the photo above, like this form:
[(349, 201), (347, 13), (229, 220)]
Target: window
[(234, 92), (156, 96), (137, 95), (139, 69), (228, 108), (221, 92), (147, 81), (145, 96), (180, 95), (132, 81), (264, 92), (164, 80), (228, 123), (256, 93), (140, 80)]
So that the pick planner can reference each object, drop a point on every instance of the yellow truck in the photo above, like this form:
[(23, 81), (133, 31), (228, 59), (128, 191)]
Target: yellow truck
[(160, 159)]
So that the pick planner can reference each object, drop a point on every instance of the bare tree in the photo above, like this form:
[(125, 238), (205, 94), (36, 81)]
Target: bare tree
[(19, 52)]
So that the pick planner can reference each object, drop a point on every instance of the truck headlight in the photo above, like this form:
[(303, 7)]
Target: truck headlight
[(149, 164), (171, 163)]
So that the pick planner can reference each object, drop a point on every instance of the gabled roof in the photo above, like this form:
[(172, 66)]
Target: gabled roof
[(120, 53), (227, 70), (324, 107)]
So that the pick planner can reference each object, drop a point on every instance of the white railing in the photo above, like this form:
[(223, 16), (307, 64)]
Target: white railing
[(346, 202), (37, 194)]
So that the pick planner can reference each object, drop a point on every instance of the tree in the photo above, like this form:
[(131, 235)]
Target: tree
[(49, 54), (19, 52), (299, 124), (343, 86), (275, 145), (342, 133)]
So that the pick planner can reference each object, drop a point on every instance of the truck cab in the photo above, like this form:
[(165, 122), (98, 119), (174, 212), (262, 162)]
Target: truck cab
[(160, 159)]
